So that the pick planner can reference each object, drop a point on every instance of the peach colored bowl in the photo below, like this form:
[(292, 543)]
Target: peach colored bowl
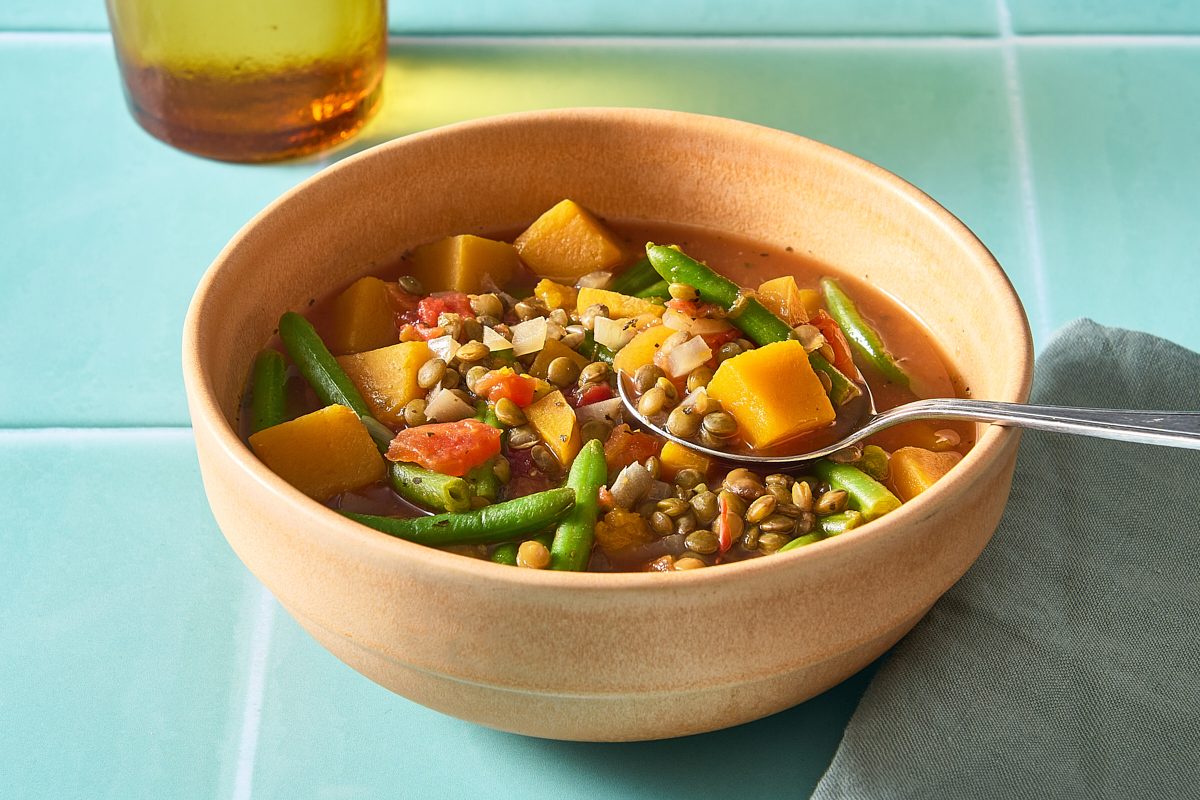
[(603, 656)]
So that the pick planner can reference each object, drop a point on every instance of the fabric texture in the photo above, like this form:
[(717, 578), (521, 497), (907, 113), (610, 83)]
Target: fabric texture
[(1066, 662)]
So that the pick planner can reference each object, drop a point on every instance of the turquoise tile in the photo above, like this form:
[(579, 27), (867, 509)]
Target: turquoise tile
[(58, 15), (682, 17), (1105, 16), (124, 617), (328, 732), (1112, 135), (936, 115), (105, 244)]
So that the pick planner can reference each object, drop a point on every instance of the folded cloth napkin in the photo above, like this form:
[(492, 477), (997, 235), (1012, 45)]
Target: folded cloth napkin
[(1066, 662)]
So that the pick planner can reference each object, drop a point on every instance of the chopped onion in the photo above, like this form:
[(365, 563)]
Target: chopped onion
[(446, 406), (594, 280), (614, 333), (605, 409), (529, 336), (444, 347), (687, 356), (677, 320), (495, 341)]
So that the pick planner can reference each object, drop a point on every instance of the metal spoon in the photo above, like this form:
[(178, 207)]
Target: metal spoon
[(1169, 428)]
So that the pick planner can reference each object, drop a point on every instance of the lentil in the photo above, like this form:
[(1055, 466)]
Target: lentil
[(533, 554), (430, 373), (509, 413)]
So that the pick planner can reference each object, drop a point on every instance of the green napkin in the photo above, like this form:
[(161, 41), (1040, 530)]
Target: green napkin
[(1066, 662)]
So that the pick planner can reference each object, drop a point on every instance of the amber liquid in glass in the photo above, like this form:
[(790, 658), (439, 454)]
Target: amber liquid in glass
[(251, 81)]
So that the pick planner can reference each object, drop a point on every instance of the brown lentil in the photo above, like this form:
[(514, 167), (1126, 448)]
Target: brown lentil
[(595, 372), (472, 329), (847, 455), (544, 459), (522, 437), (646, 376), (411, 285), (826, 381), (702, 541), (487, 305), (779, 479), (728, 351), (502, 469), (698, 378), (527, 310), (704, 505), (802, 495), (781, 494), (588, 318), (789, 510), (736, 505), (533, 554), (750, 537), (414, 413), (831, 502), (777, 523), (761, 508), (652, 402), (720, 424), (562, 371), (688, 562), (743, 483), (682, 291), (688, 478), (509, 413), (668, 388), (474, 374), (673, 506), (683, 422), (946, 439), (595, 429), (662, 524), (430, 373), (770, 542), (686, 523), (653, 466), (472, 351), (450, 379)]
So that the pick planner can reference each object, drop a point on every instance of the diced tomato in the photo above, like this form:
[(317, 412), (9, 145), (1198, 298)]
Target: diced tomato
[(715, 340), (451, 448), (454, 302), (625, 446), (842, 359), (419, 332), (593, 393), (693, 308), (500, 383)]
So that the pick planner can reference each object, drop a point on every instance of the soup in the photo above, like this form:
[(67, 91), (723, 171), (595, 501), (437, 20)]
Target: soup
[(474, 382)]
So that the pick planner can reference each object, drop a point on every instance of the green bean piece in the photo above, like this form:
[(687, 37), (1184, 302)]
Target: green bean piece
[(485, 412), (866, 495), (326, 376), (506, 553), (752, 317), (637, 277), (497, 523), (483, 480), (864, 340), (430, 489), (267, 399), (801, 541), (594, 350), (655, 291), (835, 524), (572, 545)]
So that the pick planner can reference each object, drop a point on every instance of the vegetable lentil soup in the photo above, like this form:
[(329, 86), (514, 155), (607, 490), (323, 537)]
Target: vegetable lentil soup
[(465, 399)]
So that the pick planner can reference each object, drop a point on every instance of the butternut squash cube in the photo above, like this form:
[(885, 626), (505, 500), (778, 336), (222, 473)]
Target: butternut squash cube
[(641, 349), (773, 393), (619, 305), (567, 242), (463, 264), (675, 457), (782, 296), (387, 377), (555, 295), (551, 350), (915, 469), (361, 318), (554, 420), (322, 454)]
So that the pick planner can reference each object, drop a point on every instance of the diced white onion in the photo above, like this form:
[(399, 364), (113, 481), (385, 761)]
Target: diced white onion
[(606, 409), (687, 356), (614, 333), (677, 320), (594, 280), (495, 341), (529, 336), (446, 406), (444, 347)]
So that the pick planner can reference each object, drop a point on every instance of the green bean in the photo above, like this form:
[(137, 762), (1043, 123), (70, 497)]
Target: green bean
[(655, 291), (594, 350), (866, 495), (483, 480), (506, 553), (326, 376), (572, 545), (497, 523), (267, 406), (752, 317), (864, 340), (430, 489), (800, 541), (835, 524), (637, 277)]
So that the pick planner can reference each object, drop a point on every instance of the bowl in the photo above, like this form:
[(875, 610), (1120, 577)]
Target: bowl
[(603, 656)]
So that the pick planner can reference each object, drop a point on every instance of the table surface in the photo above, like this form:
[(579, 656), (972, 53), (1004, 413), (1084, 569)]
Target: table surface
[(141, 659)]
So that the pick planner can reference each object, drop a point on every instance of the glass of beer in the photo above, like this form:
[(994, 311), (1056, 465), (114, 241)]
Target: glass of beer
[(251, 80)]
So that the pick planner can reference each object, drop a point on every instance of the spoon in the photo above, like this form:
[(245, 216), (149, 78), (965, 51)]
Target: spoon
[(1169, 428)]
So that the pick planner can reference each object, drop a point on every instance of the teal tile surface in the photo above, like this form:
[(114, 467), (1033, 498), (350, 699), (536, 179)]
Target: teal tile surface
[(1112, 135), (124, 617), (56, 15), (326, 732), (1105, 16), (108, 237)]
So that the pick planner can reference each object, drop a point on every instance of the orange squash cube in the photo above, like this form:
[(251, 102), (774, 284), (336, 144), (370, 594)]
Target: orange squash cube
[(322, 454), (551, 350), (554, 420), (641, 349), (568, 242), (555, 295), (619, 305), (783, 297), (675, 457), (463, 264), (387, 377), (361, 318), (915, 469), (773, 393)]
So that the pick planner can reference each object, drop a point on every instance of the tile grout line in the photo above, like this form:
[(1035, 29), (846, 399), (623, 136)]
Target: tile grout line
[(1017, 119), (252, 708)]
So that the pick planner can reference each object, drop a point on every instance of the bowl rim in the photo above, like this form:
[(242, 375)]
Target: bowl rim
[(330, 530)]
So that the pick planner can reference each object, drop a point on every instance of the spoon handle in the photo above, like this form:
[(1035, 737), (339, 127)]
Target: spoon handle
[(1170, 428)]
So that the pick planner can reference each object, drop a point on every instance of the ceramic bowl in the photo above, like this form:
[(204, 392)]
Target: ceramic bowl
[(603, 656)]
